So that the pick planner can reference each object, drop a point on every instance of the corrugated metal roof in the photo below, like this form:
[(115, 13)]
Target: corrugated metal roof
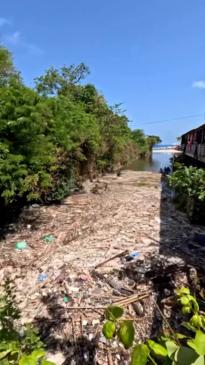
[(194, 130)]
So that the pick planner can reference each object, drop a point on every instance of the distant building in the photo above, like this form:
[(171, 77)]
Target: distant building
[(193, 144)]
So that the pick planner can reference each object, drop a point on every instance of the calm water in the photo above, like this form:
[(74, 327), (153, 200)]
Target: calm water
[(159, 160)]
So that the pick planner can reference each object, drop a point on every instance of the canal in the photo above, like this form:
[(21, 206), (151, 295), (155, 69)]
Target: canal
[(159, 160)]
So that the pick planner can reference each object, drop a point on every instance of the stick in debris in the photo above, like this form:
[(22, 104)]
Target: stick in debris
[(112, 258), (167, 322), (81, 326), (113, 283), (85, 308), (74, 340), (130, 299), (109, 357)]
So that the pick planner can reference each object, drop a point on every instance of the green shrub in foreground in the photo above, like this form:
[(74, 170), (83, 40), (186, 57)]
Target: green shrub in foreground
[(18, 346), (173, 349)]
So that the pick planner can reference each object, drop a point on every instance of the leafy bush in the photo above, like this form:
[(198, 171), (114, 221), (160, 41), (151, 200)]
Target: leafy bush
[(173, 349), (189, 186), (189, 181), (18, 346)]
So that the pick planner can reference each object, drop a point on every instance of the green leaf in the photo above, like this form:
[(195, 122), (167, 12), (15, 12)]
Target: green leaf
[(32, 359), (157, 348), (113, 312), (183, 291), (3, 354), (196, 321), (199, 361), (27, 360), (185, 356), (194, 303), (38, 354), (180, 336), (5, 362), (126, 333), (184, 300), (198, 343), (46, 362), (109, 329), (140, 355), (9, 345), (172, 347), (188, 326)]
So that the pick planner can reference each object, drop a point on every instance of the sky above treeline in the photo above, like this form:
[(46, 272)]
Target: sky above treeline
[(147, 55)]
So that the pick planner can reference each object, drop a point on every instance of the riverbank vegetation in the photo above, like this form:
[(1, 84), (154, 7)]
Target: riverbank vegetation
[(144, 143), (57, 132), (189, 186)]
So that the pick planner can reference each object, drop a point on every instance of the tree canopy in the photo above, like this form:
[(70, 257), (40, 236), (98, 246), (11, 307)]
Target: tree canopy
[(57, 131), (7, 69)]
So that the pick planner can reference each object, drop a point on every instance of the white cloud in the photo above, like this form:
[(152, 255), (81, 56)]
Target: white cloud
[(13, 38), (16, 39), (4, 21), (199, 84)]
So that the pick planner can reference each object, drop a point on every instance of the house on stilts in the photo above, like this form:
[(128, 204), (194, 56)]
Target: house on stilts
[(193, 146)]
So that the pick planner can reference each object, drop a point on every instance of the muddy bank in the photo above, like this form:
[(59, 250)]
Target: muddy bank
[(57, 284)]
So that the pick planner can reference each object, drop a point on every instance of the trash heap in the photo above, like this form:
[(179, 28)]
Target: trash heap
[(123, 244)]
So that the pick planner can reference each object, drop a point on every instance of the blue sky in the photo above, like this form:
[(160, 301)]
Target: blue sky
[(149, 55)]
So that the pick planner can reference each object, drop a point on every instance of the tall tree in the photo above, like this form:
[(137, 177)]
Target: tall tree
[(7, 69), (60, 81), (152, 140)]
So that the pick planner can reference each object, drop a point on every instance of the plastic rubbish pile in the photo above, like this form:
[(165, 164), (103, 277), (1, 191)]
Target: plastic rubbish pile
[(68, 262)]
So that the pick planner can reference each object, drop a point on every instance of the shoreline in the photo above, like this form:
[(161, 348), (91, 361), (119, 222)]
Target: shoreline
[(166, 150)]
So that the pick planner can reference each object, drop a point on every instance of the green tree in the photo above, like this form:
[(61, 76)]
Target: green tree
[(7, 70), (141, 142), (27, 155), (152, 140), (58, 131), (60, 81)]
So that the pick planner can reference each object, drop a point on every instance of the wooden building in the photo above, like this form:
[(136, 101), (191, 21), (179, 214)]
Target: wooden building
[(193, 144)]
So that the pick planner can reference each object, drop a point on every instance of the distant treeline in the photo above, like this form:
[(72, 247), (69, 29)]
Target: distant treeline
[(54, 134)]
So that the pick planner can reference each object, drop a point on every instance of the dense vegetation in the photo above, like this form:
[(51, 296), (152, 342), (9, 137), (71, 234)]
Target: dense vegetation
[(189, 186), (57, 132)]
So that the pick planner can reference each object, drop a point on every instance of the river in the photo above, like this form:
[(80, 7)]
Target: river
[(159, 160)]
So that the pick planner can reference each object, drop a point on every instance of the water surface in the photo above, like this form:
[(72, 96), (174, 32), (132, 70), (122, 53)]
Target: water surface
[(159, 160)]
